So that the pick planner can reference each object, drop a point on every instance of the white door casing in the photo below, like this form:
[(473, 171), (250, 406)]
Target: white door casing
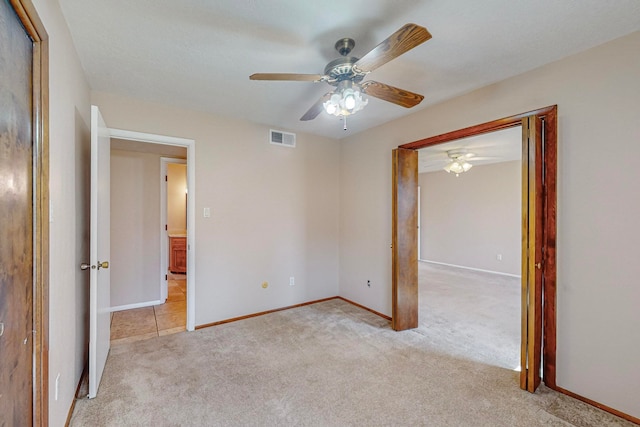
[(189, 144)]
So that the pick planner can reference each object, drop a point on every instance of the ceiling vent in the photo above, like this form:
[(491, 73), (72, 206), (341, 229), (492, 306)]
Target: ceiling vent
[(284, 139)]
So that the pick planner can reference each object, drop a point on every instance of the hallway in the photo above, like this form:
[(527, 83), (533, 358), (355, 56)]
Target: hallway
[(148, 322)]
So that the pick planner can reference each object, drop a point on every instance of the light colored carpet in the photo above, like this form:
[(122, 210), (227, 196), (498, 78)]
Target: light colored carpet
[(327, 364), (471, 314)]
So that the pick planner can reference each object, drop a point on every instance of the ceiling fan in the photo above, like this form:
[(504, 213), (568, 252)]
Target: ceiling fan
[(346, 75), (458, 161), (455, 161)]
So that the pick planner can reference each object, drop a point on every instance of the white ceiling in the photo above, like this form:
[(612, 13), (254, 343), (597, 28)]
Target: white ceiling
[(495, 147), (199, 53)]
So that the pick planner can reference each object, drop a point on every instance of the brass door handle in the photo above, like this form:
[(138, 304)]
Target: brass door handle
[(85, 266)]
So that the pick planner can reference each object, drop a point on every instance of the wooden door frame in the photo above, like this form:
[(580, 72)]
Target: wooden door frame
[(27, 14), (549, 159)]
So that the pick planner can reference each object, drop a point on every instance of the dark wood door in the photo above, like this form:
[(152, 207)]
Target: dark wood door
[(404, 246), (16, 216), (532, 256)]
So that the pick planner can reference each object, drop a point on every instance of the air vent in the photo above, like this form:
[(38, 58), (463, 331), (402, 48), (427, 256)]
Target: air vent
[(284, 139)]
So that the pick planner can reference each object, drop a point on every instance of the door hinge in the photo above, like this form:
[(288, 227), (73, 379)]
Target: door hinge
[(165, 227), (166, 178), (166, 277)]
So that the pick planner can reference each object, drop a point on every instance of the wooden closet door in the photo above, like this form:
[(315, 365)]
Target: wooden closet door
[(16, 216)]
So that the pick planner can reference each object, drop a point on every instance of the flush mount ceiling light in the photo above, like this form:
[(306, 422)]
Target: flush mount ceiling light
[(459, 163)]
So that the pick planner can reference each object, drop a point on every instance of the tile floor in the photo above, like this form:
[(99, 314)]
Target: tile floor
[(148, 322)]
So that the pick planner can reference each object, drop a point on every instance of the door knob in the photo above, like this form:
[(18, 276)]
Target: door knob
[(538, 266), (103, 264), (85, 266)]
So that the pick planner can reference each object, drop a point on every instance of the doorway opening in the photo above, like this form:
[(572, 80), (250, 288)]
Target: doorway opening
[(470, 263), (539, 169), (183, 150), (146, 301), (174, 194)]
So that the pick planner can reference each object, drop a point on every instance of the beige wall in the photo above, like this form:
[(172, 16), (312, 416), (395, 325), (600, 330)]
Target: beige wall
[(176, 196), (597, 93), (285, 203), (468, 220), (68, 187), (274, 210), (135, 228)]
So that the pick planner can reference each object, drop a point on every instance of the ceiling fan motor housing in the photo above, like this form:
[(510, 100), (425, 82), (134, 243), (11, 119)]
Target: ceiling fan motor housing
[(344, 46), (342, 69)]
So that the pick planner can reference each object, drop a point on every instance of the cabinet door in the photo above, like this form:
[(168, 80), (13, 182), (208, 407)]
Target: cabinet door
[(178, 255)]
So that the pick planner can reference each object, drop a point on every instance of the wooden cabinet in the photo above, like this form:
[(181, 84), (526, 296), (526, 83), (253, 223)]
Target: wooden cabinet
[(178, 254)]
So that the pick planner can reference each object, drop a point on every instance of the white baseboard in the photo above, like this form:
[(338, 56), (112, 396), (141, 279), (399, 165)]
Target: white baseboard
[(136, 305), (471, 268)]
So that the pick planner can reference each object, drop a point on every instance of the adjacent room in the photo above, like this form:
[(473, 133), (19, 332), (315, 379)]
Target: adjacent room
[(470, 245), (148, 240)]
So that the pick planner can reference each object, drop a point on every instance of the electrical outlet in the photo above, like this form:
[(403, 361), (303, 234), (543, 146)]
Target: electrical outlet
[(499, 257), (292, 281), (369, 283), (206, 213)]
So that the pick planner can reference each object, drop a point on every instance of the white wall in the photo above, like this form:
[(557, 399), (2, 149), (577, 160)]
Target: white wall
[(68, 186), (274, 210), (176, 197), (597, 93), (469, 219), (135, 228)]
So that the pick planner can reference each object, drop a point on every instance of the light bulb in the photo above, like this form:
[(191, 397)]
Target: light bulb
[(329, 107), (349, 101)]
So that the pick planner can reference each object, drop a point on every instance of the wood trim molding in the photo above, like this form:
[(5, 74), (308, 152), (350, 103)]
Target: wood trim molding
[(599, 405), (495, 125), (366, 308), (82, 383), (549, 114), (262, 313), (35, 29)]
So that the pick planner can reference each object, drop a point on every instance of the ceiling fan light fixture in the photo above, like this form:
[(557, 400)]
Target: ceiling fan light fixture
[(458, 166), (346, 100), (349, 97)]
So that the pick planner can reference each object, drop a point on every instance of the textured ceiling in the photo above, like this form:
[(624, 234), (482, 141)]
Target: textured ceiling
[(199, 53)]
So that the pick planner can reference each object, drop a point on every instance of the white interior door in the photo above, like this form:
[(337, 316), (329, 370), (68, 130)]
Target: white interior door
[(100, 288)]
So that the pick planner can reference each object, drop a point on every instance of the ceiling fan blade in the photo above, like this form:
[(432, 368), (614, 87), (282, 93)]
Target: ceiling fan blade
[(316, 108), (287, 77), (393, 94), (406, 38)]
